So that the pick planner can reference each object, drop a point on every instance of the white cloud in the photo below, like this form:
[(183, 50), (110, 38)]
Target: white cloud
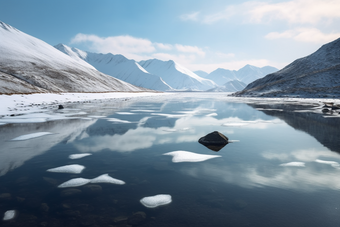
[(163, 46), (311, 35), (190, 49), (296, 11), (116, 44), (190, 16)]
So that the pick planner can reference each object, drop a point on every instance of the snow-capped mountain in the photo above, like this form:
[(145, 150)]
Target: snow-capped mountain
[(247, 74), (117, 66), (250, 73), (317, 75), (231, 86), (177, 76), (221, 76), (28, 64), (201, 73)]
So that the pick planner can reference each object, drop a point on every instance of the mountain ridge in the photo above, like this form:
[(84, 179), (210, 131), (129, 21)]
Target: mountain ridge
[(316, 75), (39, 67), (117, 66)]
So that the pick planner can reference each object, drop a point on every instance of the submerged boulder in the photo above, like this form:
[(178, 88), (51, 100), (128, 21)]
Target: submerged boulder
[(214, 141)]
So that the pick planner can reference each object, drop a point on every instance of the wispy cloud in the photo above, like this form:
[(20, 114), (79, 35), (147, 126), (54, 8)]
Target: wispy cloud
[(139, 48), (190, 16), (296, 11), (116, 44), (312, 35), (190, 49)]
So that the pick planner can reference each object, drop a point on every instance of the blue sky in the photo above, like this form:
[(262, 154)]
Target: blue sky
[(198, 34)]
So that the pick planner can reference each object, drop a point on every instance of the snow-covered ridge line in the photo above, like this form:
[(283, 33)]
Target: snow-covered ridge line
[(30, 65)]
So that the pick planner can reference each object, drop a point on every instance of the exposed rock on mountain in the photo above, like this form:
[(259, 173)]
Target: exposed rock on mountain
[(317, 75), (28, 65)]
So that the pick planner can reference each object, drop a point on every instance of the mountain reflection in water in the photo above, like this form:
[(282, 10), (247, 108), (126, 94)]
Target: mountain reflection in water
[(282, 172)]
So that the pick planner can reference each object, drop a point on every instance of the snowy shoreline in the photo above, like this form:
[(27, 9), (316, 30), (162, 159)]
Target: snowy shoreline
[(20, 104), (23, 104)]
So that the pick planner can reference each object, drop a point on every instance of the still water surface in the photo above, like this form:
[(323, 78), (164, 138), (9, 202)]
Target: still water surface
[(250, 184)]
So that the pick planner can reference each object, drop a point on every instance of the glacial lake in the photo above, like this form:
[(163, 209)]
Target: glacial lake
[(281, 167)]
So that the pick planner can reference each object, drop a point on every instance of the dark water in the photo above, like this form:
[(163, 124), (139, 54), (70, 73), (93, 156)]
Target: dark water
[(246, 186)]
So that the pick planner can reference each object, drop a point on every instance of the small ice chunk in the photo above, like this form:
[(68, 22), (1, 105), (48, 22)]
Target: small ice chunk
[(95, 116), (187, 156), (297, 164), (76, 182), (10, 214), (155, 201), (77, 156), (75, 168), (118, 120), (32, 135), (125, 113), (105, 178)]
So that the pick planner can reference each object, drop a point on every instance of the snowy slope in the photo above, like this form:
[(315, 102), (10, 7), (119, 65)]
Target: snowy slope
[(250, 73), (247, 74), (231, 86), (117, 66), (177, 76), (201, 73), (221, 76), (39, 64), (317, 75)]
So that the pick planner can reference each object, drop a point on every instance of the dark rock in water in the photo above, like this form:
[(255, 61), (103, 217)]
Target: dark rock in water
[(60, 107), (325, 110), (137, 218), (214, 141), (70, 192)]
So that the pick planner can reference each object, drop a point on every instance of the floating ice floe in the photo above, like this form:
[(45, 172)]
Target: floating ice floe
[(187, 156), (75, 168), (95, 116), (10, 214), (332, 163), (76, 182), (105, 178), (77, 156), (157, 200), (211, 115), (125, 113), (23, 120), (118, 120), (32, 135), (169, 115), (297, 164), (146, 111)]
